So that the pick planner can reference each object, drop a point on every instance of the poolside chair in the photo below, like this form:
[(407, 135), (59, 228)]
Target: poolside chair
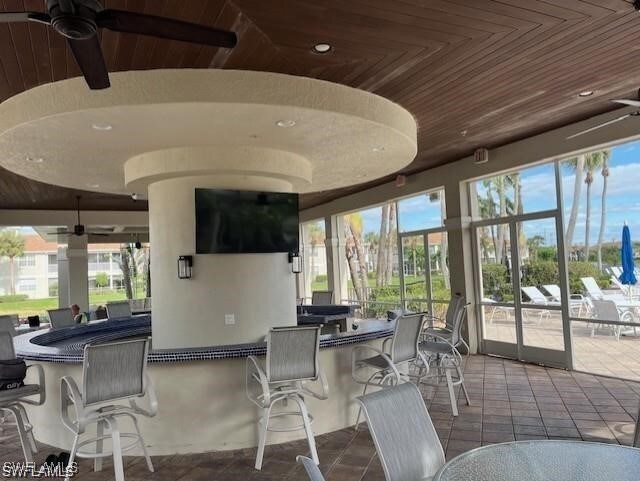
[(406, 440), (390, 365), (607, 310), (496, 309), (12, 402), (322, 298), (118, 309), (60, 318), (627, 290), (577, 302), (594, 291), (538, 298), (312, 469), (291, 363), (114, 377), (443, 353)]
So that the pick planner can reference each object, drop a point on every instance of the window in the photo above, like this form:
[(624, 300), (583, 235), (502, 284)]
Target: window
[(26, 286), (27, 260), (423, 211), (314, 256)]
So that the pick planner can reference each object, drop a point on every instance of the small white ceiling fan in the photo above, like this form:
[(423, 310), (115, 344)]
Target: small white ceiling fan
[(627, 102)]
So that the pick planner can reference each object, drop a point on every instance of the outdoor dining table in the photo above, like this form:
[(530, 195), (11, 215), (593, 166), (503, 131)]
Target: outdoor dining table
[(549, 460)]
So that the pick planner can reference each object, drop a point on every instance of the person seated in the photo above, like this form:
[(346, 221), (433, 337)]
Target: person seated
[(78, 317)]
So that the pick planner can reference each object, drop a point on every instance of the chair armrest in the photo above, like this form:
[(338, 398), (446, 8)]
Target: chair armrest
[(324, 385), (257, 385), (42, 395), (70, 396), (150, 392), (384, 355)]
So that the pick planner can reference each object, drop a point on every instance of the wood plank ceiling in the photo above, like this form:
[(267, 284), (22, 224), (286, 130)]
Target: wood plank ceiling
[(473, 72)]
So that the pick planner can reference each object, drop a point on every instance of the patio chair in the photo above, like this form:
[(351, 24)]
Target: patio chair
[(392, 363), (538, 298), (577, 302), (627, 290), (456, 304), (12, 402), (292, 362), (594, 291), (112, 373), (7, 324), (404, 436), (607, 310), (312, 469), (60, 318), (636, 434), (322, 298), (118, 309), (443, 353), (496, 309)]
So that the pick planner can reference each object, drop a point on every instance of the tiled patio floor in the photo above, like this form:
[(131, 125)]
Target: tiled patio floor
[(599, 353), (511, 401)]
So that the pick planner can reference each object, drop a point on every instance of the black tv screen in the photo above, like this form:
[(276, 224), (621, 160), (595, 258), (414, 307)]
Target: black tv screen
[(236, 221)]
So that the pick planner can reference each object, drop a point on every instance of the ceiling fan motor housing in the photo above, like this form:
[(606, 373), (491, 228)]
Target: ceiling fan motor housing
[(75, 19)]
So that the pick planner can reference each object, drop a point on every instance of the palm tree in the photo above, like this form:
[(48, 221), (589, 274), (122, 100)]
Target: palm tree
[(11, 246), (576, 164), (355, 226), (444, 246), (391, 243), (592, 162), (316, 237), (499, 183), (606, 154), (381, 264)]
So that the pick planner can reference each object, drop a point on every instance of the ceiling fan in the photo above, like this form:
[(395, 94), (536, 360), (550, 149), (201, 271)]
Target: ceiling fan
[(79, 20), (79, 229), (627, 102)]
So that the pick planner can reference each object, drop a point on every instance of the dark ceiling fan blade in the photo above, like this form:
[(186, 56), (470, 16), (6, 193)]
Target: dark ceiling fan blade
[(88, 54), (162, 27), (10, 17)]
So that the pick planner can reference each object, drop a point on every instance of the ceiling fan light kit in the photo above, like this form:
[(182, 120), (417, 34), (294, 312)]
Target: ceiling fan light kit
[(79, 20)]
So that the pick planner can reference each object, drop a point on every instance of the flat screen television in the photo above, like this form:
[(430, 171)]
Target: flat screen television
[(237, 222)]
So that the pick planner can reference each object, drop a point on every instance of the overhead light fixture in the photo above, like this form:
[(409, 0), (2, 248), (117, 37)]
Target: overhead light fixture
[(35, 160), (321, 48), (102, 127), (185, 267), (296, 262), (286, 123), (378, 148), (93, 186), (586, 93)]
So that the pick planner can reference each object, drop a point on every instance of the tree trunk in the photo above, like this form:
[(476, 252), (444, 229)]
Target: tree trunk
[(148, 273), (391, 243), (603, 212), (414, 254), (12, 274), (503, 211), (125, 267), (444, 246), (575, 205), (587, 224), (362, 263), (382, 247)]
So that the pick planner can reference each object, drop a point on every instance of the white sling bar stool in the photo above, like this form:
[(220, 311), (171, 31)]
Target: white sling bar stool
[(292, 361), (112, 372), (12, 402)]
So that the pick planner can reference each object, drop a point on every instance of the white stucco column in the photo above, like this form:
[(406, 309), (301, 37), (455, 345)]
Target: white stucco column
[(257, 289), (73, 273)]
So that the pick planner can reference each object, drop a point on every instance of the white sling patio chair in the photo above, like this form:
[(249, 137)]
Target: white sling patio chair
[(628, 291), (292, 362), (406, 441), (456, 304), (538, 298), (117, 309), (607, 310), (594, 291), (442, 352), (321, 298), (61, 317), (7, 324), (392, 363), (12, 402), (111, 373), (312, 469)]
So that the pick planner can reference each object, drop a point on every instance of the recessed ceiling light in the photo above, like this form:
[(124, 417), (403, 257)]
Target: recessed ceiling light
[(321, 48), (586, 93), (378, 148), (102, 127), (35, 160), (286, 123), (93, 186)]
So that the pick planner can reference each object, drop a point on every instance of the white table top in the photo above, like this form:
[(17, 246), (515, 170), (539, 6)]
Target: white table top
[(28, 328), (544, 461)]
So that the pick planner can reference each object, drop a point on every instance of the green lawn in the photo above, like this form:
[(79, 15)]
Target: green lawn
[(31, 307)]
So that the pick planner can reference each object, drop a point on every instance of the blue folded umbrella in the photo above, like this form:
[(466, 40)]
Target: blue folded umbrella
[(626, 253)]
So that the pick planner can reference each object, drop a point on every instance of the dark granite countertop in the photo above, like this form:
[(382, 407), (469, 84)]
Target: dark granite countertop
[(66, 345)]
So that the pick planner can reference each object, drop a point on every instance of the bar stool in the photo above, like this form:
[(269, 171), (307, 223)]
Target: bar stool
[(110, 372), (117, 309), (12, 402), (292, 362)]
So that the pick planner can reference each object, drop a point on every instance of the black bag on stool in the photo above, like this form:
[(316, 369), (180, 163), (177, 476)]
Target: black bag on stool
[(12, 373)]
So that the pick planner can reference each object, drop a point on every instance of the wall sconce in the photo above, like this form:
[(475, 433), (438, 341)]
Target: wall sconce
[(296, 262), (185, 265)]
